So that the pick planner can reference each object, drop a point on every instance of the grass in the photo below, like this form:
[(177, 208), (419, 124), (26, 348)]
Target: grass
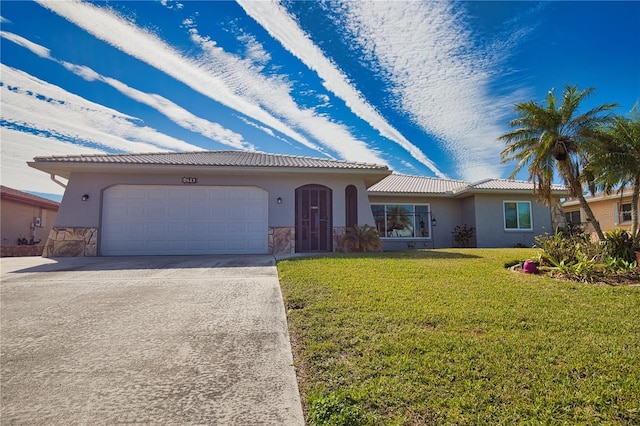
[(452, 337)]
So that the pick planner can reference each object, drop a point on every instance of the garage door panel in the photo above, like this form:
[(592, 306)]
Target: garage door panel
[(145, 219)]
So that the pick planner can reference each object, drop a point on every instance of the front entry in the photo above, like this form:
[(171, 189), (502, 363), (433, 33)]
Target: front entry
[(313, 219)]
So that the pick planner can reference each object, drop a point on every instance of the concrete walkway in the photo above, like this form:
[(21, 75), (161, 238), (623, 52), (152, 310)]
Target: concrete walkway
[(145, 340)]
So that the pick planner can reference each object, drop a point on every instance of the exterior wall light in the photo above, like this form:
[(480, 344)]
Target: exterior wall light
[(434, 222), (279, 200), (85, 197)]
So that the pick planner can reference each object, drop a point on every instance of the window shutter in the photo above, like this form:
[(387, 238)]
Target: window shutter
[(616, 214)]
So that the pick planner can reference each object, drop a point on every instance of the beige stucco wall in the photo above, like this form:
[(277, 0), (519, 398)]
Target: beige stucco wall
[(76, 216), (606, 210), (18, 219), (77, 213)]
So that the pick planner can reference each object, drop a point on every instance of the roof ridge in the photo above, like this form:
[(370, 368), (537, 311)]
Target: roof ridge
[(227, 151), (429, 177)]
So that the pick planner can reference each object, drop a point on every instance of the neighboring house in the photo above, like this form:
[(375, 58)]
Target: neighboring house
[(503, 213), (26, 219), (611, 210), (233, 202)]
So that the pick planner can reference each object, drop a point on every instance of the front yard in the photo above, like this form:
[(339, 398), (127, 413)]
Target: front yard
[(452, 337)]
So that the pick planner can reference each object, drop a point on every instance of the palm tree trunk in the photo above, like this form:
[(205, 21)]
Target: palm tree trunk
[(576, 188), (634, 210), (590, 216)]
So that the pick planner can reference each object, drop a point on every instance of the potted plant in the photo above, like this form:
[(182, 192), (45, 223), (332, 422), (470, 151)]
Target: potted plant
[(361, 238)]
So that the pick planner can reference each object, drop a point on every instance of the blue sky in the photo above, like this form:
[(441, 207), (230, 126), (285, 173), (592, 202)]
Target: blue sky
[(423, 87)]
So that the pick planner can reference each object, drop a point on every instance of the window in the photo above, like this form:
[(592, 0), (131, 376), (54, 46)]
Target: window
[(573, 218), (517, 215), (625, 212), (351, 205), (402, 220)]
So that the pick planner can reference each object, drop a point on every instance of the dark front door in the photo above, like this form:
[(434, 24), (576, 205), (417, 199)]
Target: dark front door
[(313, 218)]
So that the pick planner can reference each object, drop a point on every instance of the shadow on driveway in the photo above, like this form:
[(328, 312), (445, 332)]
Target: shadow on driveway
[(156, 340)]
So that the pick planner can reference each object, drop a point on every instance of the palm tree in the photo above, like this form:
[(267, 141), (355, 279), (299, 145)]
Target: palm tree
[(614, 160), (550, 138)]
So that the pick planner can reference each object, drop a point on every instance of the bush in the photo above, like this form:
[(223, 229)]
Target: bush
[(463, 235), (565, 248), (361, 238), (576, 257), (619, 245)]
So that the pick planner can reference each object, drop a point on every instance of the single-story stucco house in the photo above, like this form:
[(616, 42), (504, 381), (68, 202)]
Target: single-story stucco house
[(237, 202)]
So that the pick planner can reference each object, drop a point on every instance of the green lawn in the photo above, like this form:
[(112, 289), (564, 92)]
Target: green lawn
[(452, 337)]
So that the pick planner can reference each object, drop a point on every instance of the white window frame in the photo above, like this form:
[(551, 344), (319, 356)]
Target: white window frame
[(571, 213), (504, 216), (622, 212), (428, 224)]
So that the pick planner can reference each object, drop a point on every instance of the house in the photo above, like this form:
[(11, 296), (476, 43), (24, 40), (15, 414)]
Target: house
[(220, 202), (436, 212), (613, 211), (26, 220), (234, 202)]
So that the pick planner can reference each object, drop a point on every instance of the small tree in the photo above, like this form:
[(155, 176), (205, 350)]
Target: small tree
[(551, 138), (614, 161)]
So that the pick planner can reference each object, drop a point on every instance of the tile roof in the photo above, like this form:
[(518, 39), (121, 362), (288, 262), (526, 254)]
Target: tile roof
[(213, 158), (508, 185), (406, 184), (15, 195), (416, 185)]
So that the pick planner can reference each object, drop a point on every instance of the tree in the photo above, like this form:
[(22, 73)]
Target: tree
[(550, 138), (614, 160)]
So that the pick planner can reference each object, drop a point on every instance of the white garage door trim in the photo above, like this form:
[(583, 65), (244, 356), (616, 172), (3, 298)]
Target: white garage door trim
[(170, 220)]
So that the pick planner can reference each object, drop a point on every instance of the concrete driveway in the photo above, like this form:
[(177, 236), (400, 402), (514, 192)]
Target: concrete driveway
[(145, 340)]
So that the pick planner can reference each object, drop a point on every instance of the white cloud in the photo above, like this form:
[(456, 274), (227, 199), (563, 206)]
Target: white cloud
[(147, 47), (177, 114), (30, 102), (220, 76), (283, 28), (272, 93), (19, 147), (440, 77), (41, 51)]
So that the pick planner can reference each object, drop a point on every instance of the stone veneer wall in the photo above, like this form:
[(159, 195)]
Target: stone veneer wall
[(18, 251), (282, 240), (71, 242)]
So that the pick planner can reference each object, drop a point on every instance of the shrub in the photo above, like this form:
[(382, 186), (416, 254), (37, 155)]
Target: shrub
[(563, 247), (463, 235), (619, 245), (361, 238), (576, 257)]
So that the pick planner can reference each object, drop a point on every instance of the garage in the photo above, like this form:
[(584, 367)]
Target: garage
[(180, 220)]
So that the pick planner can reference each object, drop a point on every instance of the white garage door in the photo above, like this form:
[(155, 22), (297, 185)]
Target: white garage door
[(147, 219)]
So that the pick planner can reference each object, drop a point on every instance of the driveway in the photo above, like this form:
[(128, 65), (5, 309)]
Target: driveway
[(145, 340)]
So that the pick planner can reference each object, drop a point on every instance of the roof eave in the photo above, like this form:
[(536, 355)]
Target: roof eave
[(65, 169), (473, 191)]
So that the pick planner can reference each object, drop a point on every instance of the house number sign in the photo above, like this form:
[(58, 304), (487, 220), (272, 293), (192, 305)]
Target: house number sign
[(189, 180)]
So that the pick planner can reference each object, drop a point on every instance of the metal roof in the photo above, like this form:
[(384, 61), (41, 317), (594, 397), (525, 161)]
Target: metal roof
[(398, 183), (213, 158), (406, 184), (508, 185)]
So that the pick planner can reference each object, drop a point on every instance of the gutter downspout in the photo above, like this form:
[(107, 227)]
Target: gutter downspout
[(53, 178)]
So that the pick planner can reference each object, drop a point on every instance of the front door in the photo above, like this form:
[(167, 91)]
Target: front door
[(313, 219)]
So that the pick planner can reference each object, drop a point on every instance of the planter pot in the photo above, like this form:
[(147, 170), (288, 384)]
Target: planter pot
[(529, 267)]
